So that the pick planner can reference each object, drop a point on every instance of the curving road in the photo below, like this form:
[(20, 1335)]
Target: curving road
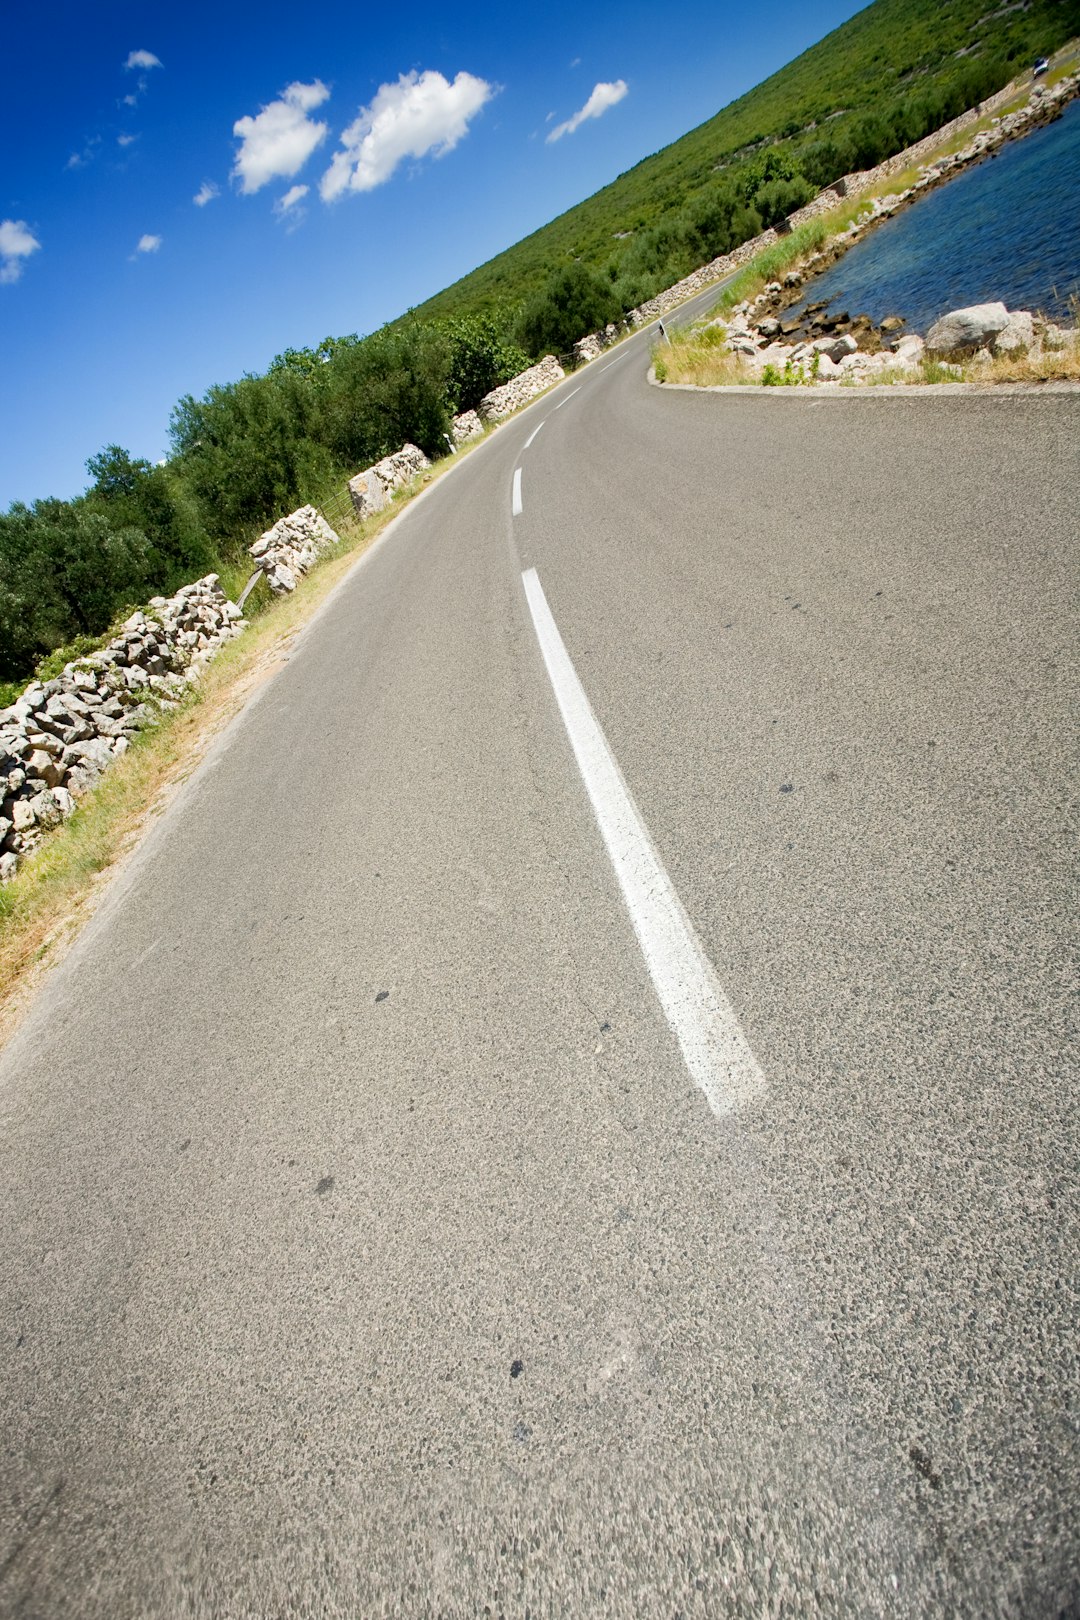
[(573, 1112)]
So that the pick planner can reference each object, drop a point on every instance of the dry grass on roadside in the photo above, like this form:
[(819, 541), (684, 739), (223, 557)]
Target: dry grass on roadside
[(57, 887), (1052, 365), (699, 355)]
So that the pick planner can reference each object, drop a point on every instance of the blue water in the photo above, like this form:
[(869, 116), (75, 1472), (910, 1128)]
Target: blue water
[(1007, 228)]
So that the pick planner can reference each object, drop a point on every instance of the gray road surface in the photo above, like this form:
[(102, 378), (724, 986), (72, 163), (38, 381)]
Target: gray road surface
[(367, 1246)]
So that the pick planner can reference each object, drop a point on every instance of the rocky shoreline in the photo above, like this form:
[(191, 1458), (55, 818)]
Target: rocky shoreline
[(822, 348), (816, 346)]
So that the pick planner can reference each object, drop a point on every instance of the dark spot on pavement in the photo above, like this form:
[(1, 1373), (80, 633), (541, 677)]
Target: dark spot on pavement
[(605, 1029), (795, 606), (185, 1144), (924, 1466), (787, 787), (324, 1186), (521, 1433), (516, 1369), (622, 1215), (382, 995)]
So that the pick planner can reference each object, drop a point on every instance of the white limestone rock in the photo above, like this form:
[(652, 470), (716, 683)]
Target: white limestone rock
[(1018, 334), (962, 331), (909, 349), (835, 348)]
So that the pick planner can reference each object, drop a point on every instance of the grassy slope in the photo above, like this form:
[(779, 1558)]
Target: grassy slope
[(893, 49)]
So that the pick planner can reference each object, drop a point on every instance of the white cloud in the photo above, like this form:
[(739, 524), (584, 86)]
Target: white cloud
[(294, 195), (421, 113), (147, 244), (278, 141), (141, 59), (17, 242), (206, 193), (79, 160), (126, 140), (603, 97)]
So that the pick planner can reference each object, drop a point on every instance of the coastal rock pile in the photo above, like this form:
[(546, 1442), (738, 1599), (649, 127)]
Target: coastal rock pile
[(287, 551), (60, 735), (371, 489), (837, 348), (502, 402)]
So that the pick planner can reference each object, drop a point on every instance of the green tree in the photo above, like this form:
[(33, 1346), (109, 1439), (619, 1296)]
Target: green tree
[(250, 451), (64, 571), (387, 390), (482, 356), (134, 494), (574, 301)]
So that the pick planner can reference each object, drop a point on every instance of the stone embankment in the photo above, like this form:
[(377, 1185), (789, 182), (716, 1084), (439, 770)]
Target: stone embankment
[(288, 550), (60, 735)]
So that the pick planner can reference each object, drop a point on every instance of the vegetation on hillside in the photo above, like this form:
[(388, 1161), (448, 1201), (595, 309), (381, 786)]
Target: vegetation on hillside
[(881, 81), (249, 451)]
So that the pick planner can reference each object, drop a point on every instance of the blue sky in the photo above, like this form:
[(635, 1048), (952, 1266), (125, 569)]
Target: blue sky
[(429, 137)]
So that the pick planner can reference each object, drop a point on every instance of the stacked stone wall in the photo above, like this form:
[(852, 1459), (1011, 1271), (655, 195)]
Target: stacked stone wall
[(59, 736), (504, 401)]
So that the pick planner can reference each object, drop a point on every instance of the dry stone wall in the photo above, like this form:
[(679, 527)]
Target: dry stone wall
[(504, 401), (371, 489), (287, 551), (59, 736), (465, 427)]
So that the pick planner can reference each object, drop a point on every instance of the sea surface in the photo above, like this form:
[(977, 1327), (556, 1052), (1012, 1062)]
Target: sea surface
[(1008, 228)]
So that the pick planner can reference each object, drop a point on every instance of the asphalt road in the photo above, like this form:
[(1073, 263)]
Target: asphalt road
[(370, 1242)]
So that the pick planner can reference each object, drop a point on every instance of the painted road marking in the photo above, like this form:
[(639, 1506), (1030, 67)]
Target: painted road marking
[(533, 434), (712, 1043), (569, 397), (614, 362), (515, 504)]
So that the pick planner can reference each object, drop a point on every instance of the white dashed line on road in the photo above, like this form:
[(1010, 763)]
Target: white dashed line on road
[(569, 397), (515, 500), (711, 1040), (533, 434)]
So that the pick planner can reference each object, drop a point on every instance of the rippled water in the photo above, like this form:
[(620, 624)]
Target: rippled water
[(1007, 228)]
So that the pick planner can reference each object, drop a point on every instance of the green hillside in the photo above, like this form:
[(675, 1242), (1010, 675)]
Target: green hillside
[(893, 73)]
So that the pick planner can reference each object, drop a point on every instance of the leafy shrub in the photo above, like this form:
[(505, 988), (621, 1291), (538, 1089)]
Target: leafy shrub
[(65, 571), (482, 357), (574, 301)]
